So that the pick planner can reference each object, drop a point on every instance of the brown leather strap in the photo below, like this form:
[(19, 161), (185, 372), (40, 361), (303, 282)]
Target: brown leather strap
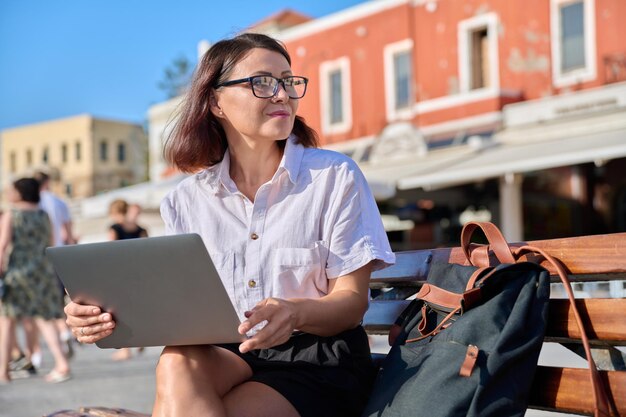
[(497, 242), (603, 405), (469, 362), (472, 280), (421, 327), (439, 296), (438, 328)]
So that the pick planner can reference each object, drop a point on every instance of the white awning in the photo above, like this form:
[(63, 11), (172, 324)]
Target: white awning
[(537, 146), (517, 157), (387, 174)]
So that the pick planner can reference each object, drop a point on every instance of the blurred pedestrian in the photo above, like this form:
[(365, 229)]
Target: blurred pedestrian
[(57, 210), (124, 217), (61, 221), (124, 226), (32, 288), (132, 216)]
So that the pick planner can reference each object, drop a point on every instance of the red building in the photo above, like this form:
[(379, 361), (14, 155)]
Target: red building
[(511, 110)]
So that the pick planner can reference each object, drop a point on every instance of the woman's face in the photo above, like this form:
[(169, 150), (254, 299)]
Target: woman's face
[(256, 119)]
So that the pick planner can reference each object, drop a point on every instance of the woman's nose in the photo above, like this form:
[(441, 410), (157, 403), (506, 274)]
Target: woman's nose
[(281, 93)]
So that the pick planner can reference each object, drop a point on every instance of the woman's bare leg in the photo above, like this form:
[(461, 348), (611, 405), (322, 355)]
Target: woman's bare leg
[(7, 334), (191, 380), (50, 334), (253, 399), (32, 338), (122, 354)]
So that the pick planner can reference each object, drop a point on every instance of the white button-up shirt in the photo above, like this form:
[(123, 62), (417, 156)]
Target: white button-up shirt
[(315, 220)]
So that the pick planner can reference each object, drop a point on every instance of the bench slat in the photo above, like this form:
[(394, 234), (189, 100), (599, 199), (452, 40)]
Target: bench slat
[(382, 314), (603, 318), (588, 256), (569, 389)]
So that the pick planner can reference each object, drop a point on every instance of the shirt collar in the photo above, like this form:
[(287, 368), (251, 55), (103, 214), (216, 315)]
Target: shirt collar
[(223, 174), (292, 158), (219, 175)]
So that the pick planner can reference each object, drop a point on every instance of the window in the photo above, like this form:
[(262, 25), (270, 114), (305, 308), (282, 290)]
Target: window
[(479, 59), (336, 96), (29, 157), (45, 155), (104, 151), (573, 41), (399, 80), (478, 53), (64, 153), (572, 37), (77, 151), (13, 162), (402, 75), (121, 152)]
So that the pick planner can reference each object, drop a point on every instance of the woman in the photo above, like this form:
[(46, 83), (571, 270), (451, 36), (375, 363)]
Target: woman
[(124, 226), (294, 233), (32, 285)]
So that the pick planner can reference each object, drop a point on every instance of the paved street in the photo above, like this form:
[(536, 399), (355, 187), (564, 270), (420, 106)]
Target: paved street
[(100, 381), (97, 380)]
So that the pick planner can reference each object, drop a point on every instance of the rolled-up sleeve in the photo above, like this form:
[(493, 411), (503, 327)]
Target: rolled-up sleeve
[(357, 235), (170, 213)]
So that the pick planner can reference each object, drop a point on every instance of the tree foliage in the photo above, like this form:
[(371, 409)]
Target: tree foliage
[(176, 77)]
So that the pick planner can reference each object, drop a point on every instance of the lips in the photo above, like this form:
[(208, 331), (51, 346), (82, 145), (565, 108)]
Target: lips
[(279, 113)]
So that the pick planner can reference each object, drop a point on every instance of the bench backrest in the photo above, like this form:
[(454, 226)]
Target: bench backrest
[(598, 258)]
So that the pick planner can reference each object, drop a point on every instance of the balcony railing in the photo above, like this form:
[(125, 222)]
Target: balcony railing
[(615, 68)]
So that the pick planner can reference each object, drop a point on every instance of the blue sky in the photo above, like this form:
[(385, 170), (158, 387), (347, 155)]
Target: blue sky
[(59, 58)]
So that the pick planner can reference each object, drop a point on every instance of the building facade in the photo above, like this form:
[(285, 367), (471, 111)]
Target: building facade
[(510, 111), (84, 155), (464, 109)]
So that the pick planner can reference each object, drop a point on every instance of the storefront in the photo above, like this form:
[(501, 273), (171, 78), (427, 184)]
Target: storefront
[(555, 169)]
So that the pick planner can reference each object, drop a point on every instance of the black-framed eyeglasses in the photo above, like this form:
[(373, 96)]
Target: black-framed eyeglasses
[(266, 86)]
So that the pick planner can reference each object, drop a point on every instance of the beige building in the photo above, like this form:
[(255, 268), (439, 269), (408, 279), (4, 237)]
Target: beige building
[(85, 155)]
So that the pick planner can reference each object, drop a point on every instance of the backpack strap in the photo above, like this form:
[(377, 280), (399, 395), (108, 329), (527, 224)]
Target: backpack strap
[(403, 319), (438, 296), (497, 242), (437, 329), (603, 404)]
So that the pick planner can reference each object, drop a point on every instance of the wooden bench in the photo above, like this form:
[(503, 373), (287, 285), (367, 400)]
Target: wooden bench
[(587, 259), (599, 258)]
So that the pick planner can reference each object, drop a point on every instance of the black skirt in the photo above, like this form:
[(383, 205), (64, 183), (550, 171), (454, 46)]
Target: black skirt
[(319, 376)]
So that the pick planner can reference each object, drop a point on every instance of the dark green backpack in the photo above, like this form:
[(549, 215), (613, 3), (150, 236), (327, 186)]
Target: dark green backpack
[(468, 344)]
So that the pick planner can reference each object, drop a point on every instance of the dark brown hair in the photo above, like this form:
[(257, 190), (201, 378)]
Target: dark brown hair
[(198, 140), (28, 189), (118, 207)]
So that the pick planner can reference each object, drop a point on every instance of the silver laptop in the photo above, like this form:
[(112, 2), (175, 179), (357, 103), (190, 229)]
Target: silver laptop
[(161, 291)]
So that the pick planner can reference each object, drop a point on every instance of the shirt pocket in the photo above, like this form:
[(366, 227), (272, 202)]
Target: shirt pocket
[(300, 272)]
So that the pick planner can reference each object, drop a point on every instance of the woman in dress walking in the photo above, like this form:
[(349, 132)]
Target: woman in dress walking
[(31, 288)]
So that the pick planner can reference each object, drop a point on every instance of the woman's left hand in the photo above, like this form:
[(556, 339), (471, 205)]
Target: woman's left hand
[(281, 320)]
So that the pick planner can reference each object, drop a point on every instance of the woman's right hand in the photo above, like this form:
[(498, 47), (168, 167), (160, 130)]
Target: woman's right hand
[(88, 323)]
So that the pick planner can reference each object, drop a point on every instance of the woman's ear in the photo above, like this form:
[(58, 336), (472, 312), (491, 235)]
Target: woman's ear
[(215, 107)]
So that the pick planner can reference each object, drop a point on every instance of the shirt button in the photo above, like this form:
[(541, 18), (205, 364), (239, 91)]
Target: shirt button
[(254, 236), (252, 283)]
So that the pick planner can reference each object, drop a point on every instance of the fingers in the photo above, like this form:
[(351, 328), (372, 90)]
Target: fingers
[(93, 333), (271, 335), (255, 316), (88, 323), (74, 309), (280, 317)]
